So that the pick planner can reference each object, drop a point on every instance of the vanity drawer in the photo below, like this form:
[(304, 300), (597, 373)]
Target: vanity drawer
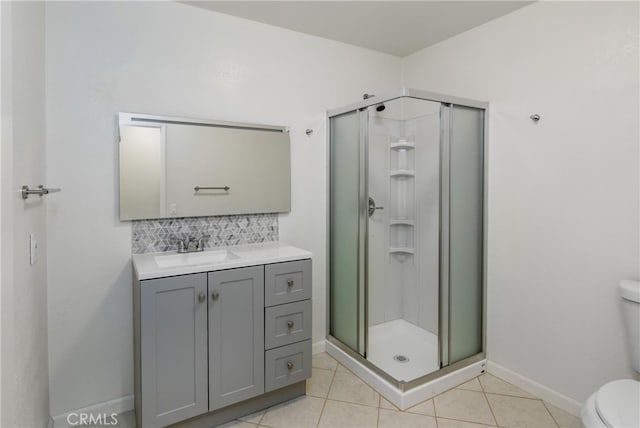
[(285, 324), (287, 282), (287, 365)]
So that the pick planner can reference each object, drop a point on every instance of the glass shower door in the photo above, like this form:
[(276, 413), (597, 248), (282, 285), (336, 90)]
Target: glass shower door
[(463, 217), (406, 244), (346, 236)]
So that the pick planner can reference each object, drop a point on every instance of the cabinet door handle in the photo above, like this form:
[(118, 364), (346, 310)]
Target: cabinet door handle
[(289, 324), (202, 297), (289, 365), (289, 282), (215, 295)]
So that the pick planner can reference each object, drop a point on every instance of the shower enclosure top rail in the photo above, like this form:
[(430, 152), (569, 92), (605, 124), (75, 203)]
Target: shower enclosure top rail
[(411, 93)]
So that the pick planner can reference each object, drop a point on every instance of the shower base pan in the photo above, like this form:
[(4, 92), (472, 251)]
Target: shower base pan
[(397, 392), (403, 350)]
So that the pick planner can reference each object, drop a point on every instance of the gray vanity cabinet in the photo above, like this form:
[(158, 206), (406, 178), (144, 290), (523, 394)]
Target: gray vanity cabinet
[(173, 346), (236, 335), (201, 357)]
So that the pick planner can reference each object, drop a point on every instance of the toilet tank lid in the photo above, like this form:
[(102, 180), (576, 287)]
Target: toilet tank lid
[(630, 290)]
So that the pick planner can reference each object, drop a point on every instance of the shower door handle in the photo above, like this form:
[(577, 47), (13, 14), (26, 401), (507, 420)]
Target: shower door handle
[(373, 207)]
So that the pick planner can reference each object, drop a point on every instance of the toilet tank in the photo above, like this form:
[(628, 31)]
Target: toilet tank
[(630, 293)]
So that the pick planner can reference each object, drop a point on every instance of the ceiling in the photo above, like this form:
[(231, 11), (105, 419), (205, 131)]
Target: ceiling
[(396, 27)]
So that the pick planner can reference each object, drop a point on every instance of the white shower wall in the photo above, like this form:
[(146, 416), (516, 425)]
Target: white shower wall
[(404, 286)]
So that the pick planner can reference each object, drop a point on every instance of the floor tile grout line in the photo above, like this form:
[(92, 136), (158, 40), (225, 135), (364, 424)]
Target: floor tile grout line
[(514, 396), (551, 414), (533, 397), (462, 420), (493, 415), (352, 402), (265, 412), (451, 389), (324, 405), (361, 380), (480, 382), (324, 368), (433, 406)]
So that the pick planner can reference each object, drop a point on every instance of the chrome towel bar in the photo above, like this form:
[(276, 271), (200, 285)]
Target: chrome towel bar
[(40, 191), (225, 188)]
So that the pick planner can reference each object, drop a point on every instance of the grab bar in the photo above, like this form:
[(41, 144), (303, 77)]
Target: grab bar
[(225, 188), (40, 191)]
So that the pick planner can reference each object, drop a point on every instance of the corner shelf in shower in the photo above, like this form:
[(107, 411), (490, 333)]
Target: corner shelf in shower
[(400, 250), (402, 200), (402, 173), (401, 144), (401, 222)]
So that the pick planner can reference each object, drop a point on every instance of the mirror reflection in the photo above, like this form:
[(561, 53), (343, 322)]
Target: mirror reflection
[(172, 167)]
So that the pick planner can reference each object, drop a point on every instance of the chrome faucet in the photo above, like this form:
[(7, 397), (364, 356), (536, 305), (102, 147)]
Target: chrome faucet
[(192, 244)]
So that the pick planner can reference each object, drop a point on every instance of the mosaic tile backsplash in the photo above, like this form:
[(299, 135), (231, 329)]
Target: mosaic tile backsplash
[(151, 236)]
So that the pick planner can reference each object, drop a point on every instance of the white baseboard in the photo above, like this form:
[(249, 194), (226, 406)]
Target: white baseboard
[(547, 394), (318, 347), (119, 405)]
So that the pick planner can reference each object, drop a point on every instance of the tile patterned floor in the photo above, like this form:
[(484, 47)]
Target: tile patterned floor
[(339, 399)]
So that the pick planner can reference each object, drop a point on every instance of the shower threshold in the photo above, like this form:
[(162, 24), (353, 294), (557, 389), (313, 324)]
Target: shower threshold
[(397, 392)]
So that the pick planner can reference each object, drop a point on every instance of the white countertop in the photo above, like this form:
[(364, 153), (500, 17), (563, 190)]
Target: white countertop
[(145, 265)]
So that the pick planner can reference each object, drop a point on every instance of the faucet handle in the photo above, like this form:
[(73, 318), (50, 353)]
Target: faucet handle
[(181, 246), (201, 242)]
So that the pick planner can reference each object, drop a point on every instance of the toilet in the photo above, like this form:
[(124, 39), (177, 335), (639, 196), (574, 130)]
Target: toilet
[(617, 404)]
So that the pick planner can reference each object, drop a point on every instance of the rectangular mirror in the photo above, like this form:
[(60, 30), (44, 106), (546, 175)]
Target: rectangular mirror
[(176, 167)]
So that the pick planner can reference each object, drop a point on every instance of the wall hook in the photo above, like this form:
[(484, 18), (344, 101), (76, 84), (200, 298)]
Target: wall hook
[(309, 132), (535, 118)]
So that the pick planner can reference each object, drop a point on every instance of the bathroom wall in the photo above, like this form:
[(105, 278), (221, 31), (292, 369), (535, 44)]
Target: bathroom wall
[(563, 193), (173, 59), (25, 380)]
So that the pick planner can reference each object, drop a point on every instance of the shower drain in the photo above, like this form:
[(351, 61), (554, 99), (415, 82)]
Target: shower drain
[(401, 358)]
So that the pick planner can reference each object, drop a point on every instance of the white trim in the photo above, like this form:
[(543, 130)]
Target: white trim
[(118, 405), (547, 394), (318, 347), (404, 400)]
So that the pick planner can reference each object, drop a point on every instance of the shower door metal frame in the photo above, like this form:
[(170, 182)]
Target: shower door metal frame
[(444, 221), (362, 286)]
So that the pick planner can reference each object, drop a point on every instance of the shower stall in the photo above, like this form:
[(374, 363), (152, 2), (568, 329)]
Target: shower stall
[(406, 215)]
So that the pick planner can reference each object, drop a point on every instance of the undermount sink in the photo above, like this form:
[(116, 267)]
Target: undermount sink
[(190, 259)]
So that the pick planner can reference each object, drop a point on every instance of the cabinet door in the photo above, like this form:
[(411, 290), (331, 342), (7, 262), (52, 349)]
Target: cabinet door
[(173, 337), (236, 335)]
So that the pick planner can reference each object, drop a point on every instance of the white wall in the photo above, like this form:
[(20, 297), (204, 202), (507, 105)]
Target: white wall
[(173, 59), (25, 390), (563, 193)]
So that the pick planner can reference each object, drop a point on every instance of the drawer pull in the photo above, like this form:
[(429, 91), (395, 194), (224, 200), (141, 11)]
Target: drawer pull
[(289, 324), (289, 282), (202, 297), (289, 365), (215, 295)]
